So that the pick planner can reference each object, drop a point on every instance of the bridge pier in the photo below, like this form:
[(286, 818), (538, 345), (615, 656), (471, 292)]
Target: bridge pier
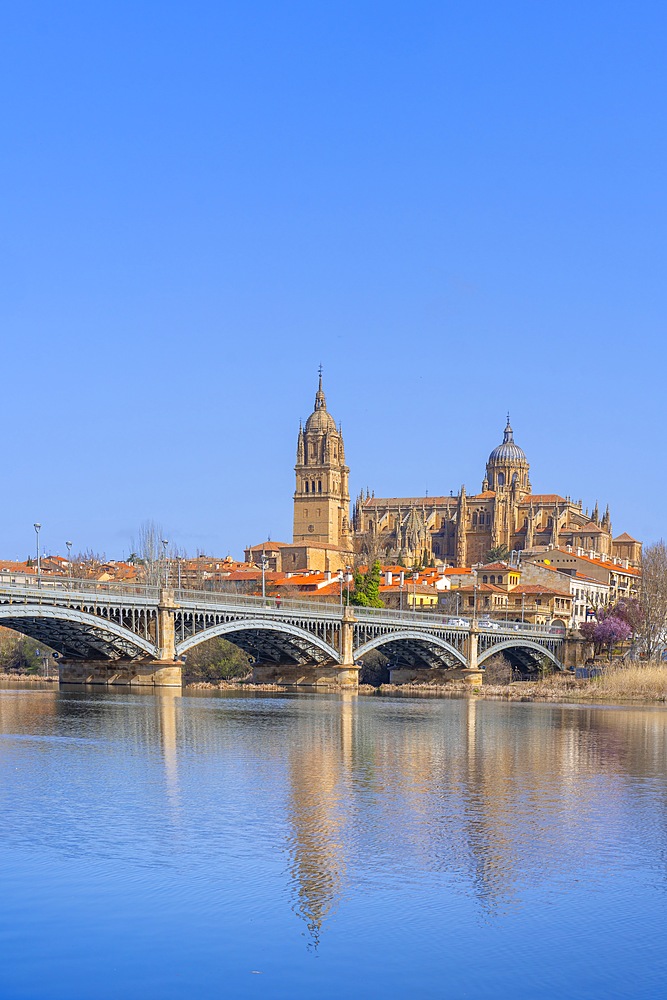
[(434, 675), (112, 673), (310, 675), (166, 626)]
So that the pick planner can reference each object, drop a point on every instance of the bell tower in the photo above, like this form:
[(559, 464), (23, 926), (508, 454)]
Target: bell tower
[(321, 496)]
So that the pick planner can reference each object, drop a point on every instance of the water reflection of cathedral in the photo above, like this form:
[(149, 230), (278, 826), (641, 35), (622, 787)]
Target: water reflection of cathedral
[(489, 797), (317, 812)]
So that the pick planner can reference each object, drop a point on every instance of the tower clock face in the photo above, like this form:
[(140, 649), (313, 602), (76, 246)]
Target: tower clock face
[(311, 527)]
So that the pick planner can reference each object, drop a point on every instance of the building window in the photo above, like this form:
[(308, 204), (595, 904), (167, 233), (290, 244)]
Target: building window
[(306, 486), (319, 485), (501, 479)]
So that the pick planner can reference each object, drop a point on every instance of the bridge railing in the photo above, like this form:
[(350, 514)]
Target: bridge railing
[(186, 598), (51, 590)]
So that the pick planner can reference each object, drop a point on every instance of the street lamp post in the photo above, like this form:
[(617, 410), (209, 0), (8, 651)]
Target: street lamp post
[(340, 580), (474, 602), (37, 526), (264, 561), (69, 560), (165, 543), (415, 577), (348, 580)]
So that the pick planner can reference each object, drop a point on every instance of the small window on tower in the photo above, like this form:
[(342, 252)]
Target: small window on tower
[(306, 486), (319, 486)]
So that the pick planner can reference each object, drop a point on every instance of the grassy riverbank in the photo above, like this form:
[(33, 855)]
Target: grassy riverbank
[(27, 679)]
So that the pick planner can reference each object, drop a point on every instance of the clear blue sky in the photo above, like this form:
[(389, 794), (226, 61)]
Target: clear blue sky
[(457, 208)]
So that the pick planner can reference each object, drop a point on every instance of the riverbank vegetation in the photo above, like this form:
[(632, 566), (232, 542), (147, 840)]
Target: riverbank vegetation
[(216, 660), (21, 655)]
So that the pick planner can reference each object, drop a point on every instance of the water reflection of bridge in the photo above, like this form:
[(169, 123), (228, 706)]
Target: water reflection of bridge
[(112, 634)]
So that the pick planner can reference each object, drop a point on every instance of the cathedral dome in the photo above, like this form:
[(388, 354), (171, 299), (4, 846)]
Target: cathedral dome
[(508, 451), (320, 421)]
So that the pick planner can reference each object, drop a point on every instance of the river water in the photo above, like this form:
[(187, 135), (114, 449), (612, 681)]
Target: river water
[(251, 845)]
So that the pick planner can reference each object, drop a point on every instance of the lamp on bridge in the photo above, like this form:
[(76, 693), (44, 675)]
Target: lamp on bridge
[(165, 543), (37, 526), (69, 559), (265, 563)]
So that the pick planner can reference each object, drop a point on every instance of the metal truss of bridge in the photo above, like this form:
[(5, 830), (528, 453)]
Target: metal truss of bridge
[(133, 634)]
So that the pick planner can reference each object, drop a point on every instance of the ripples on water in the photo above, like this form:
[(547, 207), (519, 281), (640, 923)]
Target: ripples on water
[(283, 846)]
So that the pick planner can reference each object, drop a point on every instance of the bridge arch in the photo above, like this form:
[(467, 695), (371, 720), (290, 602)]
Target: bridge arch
[(425, 646), (76, 633), (518, 644), (277, 639)]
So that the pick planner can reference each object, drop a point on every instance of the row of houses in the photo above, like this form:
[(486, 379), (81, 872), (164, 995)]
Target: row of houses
[(559, 585)]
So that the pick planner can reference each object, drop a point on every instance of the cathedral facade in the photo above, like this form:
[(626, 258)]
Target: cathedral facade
[(457, 530), (463, 529)]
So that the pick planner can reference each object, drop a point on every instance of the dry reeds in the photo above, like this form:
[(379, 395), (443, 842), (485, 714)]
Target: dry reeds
[(637, 681)]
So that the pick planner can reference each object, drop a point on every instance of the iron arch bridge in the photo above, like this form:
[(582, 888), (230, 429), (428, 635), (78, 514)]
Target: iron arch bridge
[(84, 621)]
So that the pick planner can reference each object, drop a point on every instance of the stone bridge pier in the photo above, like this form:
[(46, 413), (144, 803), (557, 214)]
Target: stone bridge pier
[(135, 673)]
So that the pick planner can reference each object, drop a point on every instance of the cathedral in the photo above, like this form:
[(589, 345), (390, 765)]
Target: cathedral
[(455, 530)]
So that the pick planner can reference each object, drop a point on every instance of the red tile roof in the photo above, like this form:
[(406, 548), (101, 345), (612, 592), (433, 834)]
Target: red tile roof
[(534, 588), (542, 498), (604, 563)]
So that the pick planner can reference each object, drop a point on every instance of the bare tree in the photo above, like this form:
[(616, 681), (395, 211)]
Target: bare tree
[(148, 552), (653, 597), (87, 564)]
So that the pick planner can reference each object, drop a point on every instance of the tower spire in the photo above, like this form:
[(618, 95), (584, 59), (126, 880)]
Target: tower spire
[(509, 433), (320, 401)]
